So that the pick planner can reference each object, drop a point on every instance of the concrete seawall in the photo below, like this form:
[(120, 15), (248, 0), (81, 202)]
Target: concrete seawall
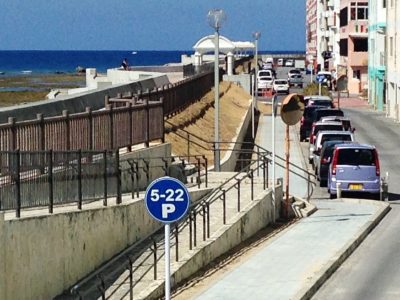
[(78, 102)]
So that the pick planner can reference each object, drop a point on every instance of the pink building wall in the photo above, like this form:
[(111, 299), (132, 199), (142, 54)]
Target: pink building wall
[(355, 64)]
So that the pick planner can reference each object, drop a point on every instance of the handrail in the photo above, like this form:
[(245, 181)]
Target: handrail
[(156, 235)]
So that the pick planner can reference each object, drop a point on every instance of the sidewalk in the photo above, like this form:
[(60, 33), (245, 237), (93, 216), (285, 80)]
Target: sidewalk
[(296, 262)]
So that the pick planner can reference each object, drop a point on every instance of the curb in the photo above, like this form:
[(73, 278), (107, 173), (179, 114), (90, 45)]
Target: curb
[(346, 251)]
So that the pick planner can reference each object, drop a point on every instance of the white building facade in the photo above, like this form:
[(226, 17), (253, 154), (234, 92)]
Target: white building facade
[(328, 34), (393, 58)]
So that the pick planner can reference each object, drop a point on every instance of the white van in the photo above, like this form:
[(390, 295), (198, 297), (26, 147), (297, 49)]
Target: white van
[(280, 62)]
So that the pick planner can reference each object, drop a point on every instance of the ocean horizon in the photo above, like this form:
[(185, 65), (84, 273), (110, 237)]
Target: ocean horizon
[(24, 62)]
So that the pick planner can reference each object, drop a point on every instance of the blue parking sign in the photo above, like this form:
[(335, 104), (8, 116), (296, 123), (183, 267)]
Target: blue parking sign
[(167, 199)]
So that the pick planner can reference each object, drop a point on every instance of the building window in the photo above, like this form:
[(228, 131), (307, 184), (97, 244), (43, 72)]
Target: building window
[(384, 3), (391, 46), (359, 11), (356, 74), (343, 17), (360, 45), (343, 47)]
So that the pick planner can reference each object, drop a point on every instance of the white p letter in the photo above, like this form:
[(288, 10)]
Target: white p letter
[(167, 208)]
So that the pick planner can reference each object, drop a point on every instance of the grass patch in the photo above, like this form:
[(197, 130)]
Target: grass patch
[(37, 87), (313, 89), (13, 98)]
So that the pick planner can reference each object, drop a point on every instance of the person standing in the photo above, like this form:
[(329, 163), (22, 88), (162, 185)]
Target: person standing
[(124, 64)]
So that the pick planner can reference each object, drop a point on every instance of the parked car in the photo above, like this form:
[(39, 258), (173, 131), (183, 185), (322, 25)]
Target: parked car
[(280, 61), (281, 86), (325, 158), (345, 121), (321, 101), (294, 72), (263, 73), (306, 121), (265, 82), (317, 127), (323, 136), (289, 63), (295, 80), (356, 168), (323, 112)]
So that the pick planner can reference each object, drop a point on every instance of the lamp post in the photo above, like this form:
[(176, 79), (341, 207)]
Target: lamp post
[(215, 19), (256, 36)]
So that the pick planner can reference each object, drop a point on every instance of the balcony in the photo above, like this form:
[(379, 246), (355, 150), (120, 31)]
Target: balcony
[(358, 28), (358, 59), (332, 21)]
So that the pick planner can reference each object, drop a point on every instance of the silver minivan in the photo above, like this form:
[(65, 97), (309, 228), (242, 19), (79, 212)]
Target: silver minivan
[(355, 168)]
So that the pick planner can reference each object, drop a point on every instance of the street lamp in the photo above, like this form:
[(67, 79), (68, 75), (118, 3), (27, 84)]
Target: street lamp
[(215, 19), (256, 36)]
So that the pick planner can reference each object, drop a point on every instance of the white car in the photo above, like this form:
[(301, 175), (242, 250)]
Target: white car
[(263, 73), (281, 86), (289, 63), (264, 82)]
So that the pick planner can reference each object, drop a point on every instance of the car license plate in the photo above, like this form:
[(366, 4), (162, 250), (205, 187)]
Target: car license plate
[(355, 187)]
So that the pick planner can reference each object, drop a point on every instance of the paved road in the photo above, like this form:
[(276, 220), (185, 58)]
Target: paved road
[(372, 271)]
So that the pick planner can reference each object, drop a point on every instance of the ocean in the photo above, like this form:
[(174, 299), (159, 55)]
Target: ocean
[(41, 62)]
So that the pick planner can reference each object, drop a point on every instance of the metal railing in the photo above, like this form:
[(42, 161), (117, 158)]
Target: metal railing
[(140, 259), (139, 171), (106, 129), (245, 149), (49, 178)]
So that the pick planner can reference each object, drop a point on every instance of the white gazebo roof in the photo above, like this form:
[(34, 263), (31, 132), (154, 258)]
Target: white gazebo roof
[(240, 46), (206, 44)]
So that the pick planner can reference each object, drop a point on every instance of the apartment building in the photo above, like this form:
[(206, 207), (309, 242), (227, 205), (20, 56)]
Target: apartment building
[(328, 37), (311, 32), (376, 55), (354, 44), (393, 58)]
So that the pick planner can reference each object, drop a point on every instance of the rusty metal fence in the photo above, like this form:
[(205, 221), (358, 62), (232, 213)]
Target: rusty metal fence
[(176, 97), (107, 129)]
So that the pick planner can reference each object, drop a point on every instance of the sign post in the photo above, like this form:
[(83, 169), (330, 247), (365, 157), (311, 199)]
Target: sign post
[(320, 80), (167, 200), (291, 112)]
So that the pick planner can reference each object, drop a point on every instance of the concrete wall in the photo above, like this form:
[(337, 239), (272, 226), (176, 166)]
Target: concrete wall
[(228, 162), (42, 256), (244, 226), (76, 103)]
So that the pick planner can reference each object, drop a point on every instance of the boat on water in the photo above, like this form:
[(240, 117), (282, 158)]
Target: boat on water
[(26, 72), (134, 52), (2, 73)]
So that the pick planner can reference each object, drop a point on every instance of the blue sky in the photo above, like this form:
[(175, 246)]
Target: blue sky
[(145, 24)]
